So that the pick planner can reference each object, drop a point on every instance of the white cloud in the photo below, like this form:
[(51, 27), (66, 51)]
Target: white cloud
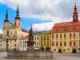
[(45, 9), (53, 10), (34, 7), (42, 27)]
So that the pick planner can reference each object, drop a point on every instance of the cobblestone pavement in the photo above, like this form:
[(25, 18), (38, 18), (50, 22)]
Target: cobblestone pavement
[(66, 56), (56, 56)]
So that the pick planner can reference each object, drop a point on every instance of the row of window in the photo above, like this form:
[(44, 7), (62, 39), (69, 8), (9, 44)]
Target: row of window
[(61, 35), (42, 38), (64, 35), (65, 44), (24, 46), (37, 37)]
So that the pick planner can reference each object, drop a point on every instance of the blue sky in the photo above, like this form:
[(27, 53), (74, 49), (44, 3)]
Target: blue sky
[(38, 11), (26, 22)]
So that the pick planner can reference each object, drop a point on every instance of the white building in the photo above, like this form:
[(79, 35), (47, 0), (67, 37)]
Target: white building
[(14, 36)]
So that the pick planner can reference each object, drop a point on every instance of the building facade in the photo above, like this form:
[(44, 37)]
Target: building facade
[(43, 40), (36, 39), (13, 35), (2, 43), (66, 36)]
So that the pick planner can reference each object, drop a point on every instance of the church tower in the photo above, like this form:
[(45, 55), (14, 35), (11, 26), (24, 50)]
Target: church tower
[(17, 18), (6, 21), (75, 14), (30, 41)]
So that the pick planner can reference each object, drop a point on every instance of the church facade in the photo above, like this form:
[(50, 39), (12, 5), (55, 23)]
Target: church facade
[(15, 37)]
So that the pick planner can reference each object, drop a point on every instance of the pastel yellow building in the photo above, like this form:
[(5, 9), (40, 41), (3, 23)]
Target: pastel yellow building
[(43, 40), (66, 36)]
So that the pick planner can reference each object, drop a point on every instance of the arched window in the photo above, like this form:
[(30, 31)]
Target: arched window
[(74, 35), (56, 36), (60, 35), (64, 35), (70, 36), (56, 43), (70, 43), (74, 43), (64, 43), (60, 43)]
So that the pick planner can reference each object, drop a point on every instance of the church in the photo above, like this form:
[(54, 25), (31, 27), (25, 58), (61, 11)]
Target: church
[(14, 36)]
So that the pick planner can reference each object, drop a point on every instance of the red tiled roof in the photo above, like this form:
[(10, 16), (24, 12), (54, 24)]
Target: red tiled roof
[(67, 27)]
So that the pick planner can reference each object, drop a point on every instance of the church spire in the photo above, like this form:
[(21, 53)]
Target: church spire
[(6, 16), (17, 18), (17, 13), (75, 14), (30, 41)]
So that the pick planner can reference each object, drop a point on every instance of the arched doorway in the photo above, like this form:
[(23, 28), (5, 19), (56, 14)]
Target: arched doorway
[(73, 50), (60, 51)]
